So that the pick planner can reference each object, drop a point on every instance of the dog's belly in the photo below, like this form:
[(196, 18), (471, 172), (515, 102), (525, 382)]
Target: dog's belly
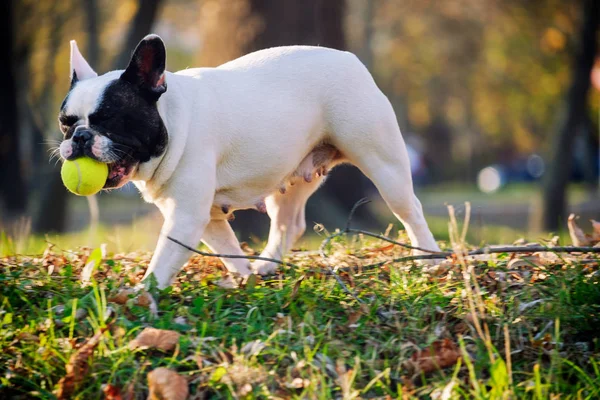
[(251, 191)]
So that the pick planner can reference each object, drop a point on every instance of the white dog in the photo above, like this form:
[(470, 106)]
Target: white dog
[(257, 132)]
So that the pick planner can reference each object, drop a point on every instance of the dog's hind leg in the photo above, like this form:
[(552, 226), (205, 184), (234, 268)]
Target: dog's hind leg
[(287, 222), (393, 180), (220, 238), (381, 155)]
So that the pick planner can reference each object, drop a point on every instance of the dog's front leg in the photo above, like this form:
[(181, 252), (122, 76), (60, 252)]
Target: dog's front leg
[(169, 257), (185, 221)]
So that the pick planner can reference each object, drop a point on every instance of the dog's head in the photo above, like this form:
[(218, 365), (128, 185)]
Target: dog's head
[(114, 118)]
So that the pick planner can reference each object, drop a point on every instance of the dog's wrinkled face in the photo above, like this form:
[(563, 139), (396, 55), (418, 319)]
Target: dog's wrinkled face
[(114, 118)]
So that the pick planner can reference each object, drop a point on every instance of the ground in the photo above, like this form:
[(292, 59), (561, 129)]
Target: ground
[(509, 326)]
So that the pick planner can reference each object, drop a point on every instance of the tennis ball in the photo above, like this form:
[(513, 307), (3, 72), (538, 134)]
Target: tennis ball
[(84, 176)]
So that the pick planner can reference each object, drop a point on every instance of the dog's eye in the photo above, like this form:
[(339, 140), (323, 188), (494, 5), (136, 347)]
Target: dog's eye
[(67, 121)]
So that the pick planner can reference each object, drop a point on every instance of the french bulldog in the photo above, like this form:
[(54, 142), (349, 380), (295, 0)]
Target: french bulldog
[(261, 132)]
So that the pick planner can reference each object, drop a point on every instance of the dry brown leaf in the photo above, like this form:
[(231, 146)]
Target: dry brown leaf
[(578, 237), (121, 296), (544, 342), (77, 367), (144, 300), (461, 328), (111, 392), (51, 261), (441, 354), (353, 318), (228, 282), (28, 337), (523, 262), (141, 298), (152, 338), (294, 291), (165, 384), (380, 249)]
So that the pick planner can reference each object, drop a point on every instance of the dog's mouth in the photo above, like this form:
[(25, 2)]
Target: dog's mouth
[(119, 173)]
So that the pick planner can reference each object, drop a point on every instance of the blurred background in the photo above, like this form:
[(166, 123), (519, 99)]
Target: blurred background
[(498, 101)]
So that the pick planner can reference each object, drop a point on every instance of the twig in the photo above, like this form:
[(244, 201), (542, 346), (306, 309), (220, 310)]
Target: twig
[(248, 257), (359, 203), (520, 249)]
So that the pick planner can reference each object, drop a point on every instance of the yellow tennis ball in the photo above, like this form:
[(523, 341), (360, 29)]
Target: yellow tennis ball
[(84, 176)]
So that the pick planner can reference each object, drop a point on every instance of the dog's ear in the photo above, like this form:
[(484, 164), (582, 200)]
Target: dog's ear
[(146, 69), (80, 69)]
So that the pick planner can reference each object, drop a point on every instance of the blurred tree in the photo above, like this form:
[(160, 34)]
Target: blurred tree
[(573, 118), (294, 22), (51, 210), (141, 25), (92, 19), (13, 194), (488, 73)]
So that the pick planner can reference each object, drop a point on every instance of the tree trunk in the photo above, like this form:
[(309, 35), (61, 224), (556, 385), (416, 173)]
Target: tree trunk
[(555, 185), (13, 194), (92, 17), (140, 27), (295, 22), (51, 210)]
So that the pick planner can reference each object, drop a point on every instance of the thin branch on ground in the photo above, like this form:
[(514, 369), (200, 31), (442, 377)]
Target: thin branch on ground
[(248, 257)]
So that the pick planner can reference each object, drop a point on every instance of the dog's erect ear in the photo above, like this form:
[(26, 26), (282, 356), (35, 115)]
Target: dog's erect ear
[(146, 69), (80, 69)]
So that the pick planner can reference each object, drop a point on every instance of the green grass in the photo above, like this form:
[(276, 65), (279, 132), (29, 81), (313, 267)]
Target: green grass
[(314, 340)]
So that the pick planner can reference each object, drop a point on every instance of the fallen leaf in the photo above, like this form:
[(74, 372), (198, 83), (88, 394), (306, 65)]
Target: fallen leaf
[(141, 298), (440, 354), (523, 262), (544, 342), (152, 338), (77, 367), (380, 249), (27, 337), (111, 392), (165, 384), (578, 237), (294, 291), (50, 260), (146, 300), (121, 296), (353, 318), (92, 263), (227, 282), (297, 383)]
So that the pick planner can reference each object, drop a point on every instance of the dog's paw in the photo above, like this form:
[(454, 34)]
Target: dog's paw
[(261, 267)]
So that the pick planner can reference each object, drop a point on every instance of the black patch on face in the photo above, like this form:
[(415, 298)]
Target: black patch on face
[(131, 121)]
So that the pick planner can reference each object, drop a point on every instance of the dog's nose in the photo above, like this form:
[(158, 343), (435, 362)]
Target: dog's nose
[(81, 136)]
